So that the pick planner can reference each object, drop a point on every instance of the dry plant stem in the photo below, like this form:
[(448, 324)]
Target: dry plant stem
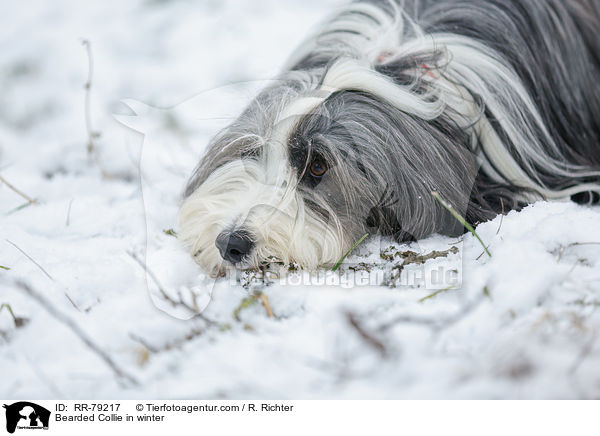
[(12, 314), (74, 327), (167, 297), (436, 293), (456, 215), (92, 134), (17, 191), (369, 338), (436, 323), (501, 217), (91, 146), (31, 259), (265, 302), (153, 277), (574, 244), (68, 220)]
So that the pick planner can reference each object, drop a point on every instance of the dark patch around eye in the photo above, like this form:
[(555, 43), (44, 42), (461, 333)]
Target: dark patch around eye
[(303, 163)]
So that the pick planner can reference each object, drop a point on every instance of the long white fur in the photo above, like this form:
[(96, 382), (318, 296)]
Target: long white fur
[(261, 194), (282, 225), (467, 62)]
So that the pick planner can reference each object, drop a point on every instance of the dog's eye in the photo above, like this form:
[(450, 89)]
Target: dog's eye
[(318, 168)]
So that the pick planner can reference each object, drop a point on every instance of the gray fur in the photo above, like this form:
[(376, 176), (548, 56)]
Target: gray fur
[(385, 162)]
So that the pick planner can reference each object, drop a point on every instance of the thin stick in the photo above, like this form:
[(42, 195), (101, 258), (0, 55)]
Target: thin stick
[(439, 291), (154, 279), (91, 146), (167, 297), (574, 244), (436, 322), (456, 215), (85, 338), (92, 134), (31, 259), (68, 221), (501, 217), (7, 306), (367, 336), (21, 193), (265, 302), (337, 265)]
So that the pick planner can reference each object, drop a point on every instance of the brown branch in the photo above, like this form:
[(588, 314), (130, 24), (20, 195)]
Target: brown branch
[(265, 301), (369, 338), (19, 192)]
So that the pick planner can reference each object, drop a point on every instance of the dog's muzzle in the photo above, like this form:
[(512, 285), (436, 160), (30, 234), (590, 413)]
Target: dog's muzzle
[(234, 246)]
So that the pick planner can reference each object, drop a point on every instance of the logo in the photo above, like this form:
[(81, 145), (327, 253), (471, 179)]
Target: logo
[(26, 415)]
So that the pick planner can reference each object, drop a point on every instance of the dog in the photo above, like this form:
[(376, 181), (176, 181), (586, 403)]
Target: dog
[(491, 104)]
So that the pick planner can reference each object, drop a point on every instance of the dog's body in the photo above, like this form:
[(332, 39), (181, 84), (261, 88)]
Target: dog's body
[(491, 103)]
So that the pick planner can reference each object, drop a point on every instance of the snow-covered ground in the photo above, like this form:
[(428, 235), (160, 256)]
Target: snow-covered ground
[(523, 323)]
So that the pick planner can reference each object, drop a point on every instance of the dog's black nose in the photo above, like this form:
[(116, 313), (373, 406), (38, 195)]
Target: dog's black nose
[(234, 246)]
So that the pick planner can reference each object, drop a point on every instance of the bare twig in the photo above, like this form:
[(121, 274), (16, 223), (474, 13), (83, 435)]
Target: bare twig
[(195, 332), (18, 320), (142, 341), (439, 291), (18, 191), (497, 230), (574, 244), (154, 278), (501, 217), (92, 135), (367, 336), (437, 323), (68, 220), (31, 259), (72, 302), (173, 302), (83, 336), (265, 302)]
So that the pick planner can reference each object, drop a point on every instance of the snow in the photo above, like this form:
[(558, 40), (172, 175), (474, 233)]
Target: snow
[(523, 323)]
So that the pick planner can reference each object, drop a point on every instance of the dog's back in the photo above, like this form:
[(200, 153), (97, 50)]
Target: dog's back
[(552, 46), (490, 104)]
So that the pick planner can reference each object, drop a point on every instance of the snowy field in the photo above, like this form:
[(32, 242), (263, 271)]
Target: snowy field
[(83, 317)]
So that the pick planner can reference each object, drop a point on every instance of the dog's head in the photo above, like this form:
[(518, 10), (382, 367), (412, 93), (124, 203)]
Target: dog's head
[(320, 159)]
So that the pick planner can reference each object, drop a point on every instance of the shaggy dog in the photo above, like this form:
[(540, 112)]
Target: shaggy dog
[(490, 103)]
